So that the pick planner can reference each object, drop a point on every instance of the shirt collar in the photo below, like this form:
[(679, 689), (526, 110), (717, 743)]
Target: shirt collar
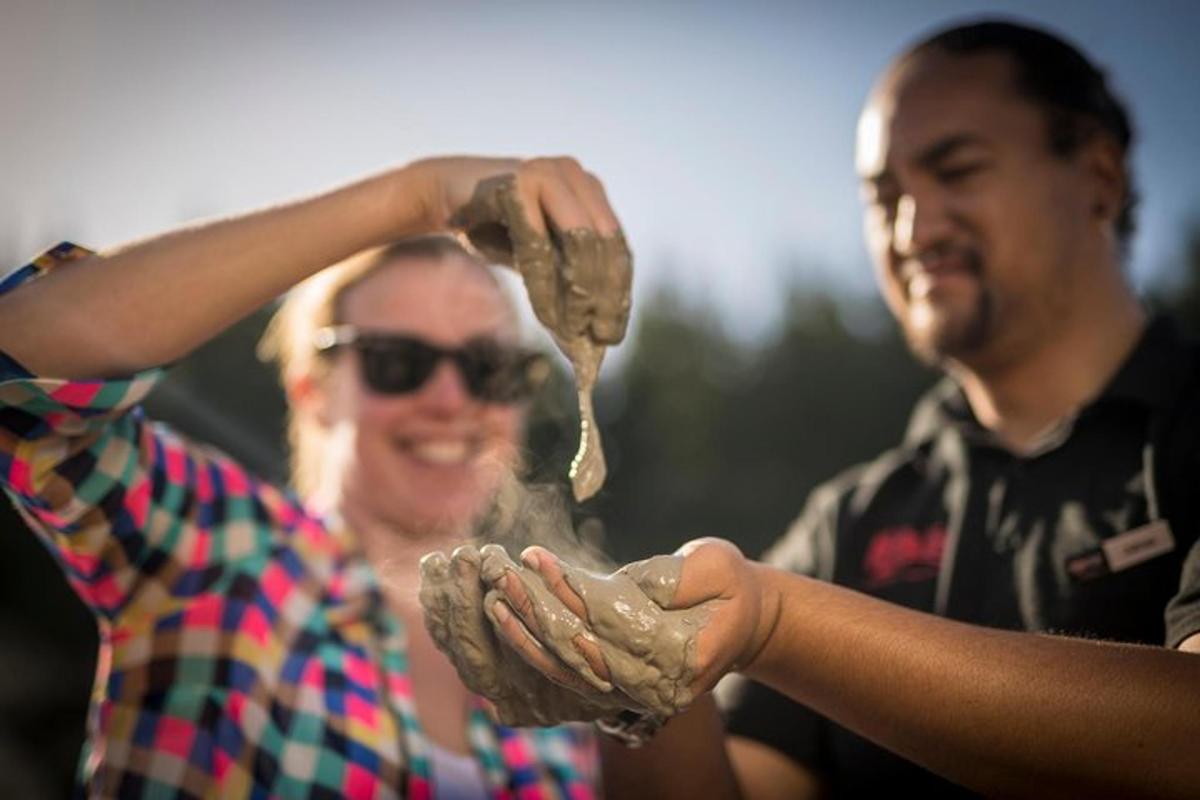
[(1156, 371), (1152, 376)]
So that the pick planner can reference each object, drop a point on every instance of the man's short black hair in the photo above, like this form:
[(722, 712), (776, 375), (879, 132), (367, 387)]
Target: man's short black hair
[(1072, 91)]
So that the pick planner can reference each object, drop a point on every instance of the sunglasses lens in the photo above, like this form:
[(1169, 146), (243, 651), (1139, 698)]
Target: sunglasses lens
[(485, 371), (497, 374), (399, 365), (491, 372)]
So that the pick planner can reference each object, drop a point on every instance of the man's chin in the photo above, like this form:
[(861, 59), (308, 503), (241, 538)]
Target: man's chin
[(935, 337), (937, 332)]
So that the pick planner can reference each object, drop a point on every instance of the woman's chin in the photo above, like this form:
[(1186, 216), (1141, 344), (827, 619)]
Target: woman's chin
[(428, 499), (434, 514)]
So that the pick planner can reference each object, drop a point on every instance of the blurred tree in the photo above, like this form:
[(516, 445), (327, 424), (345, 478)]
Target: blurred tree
[(1181, 298), (660, 419), (219, 394), (222, 394), (711, 437), (48, 645)]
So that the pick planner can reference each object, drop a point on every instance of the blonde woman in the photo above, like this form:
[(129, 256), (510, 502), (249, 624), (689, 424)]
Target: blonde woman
[(253, 642)]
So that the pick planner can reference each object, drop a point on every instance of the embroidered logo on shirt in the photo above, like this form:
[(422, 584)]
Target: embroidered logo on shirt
[(1123, 551), (903, 554)]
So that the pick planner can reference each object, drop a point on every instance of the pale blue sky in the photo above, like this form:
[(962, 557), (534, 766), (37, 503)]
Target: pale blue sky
[(724, 131)]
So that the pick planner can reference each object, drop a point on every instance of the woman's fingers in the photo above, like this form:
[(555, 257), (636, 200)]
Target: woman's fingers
[(567, 195), (519, 601), (551, 219), (592, 195), (556, 190), (512, 629), (434, 597), (547, 565), (452, 604), (613, 291), (546, 195), (464, 561), (596, 267), (540, 606)]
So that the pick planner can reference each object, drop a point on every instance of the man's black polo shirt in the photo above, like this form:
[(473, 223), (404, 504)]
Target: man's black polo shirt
[(1075, 537)]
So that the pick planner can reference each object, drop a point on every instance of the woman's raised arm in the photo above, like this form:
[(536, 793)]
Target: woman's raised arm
[(153, 301)]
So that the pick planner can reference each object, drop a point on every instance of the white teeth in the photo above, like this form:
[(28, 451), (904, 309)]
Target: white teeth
[(441, 452)]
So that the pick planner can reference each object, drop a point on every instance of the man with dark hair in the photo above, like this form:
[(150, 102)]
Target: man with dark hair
[(1038, 487), (1045, 486), (1072, 92)]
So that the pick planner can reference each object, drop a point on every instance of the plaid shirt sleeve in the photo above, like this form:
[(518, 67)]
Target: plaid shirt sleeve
[(106, 489), (224, 599)]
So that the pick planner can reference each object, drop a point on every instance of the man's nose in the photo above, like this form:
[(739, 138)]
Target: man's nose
[(920, 224)]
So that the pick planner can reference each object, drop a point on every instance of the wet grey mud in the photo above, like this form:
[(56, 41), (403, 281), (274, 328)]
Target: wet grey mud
[(579, 286), (648, 649), (452, 597)]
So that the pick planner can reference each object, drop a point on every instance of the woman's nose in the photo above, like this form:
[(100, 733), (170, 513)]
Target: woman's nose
[(446, 390)]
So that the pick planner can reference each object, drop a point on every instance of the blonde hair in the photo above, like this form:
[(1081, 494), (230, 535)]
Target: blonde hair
[(318, 302)]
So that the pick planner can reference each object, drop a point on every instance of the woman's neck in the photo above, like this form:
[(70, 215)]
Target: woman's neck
[(394, 552)]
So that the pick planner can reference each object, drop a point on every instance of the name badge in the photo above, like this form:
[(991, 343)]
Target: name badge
[(1140, 544), (1123, 551)]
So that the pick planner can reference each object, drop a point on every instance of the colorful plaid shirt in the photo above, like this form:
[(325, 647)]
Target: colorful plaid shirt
[(246, 649)]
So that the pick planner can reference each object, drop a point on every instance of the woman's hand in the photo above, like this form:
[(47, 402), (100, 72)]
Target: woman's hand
[(452, 599), (152, 302), (546, 217), (554, 190)]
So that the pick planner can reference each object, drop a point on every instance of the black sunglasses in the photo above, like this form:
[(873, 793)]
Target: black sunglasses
[(394, 363)]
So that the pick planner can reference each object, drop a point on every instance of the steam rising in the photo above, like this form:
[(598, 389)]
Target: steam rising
[(525, 514)]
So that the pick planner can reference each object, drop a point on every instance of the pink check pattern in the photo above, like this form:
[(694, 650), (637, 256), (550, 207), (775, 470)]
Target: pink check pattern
[(246, 649)]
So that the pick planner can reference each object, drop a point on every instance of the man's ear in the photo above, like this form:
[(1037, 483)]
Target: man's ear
[(307, 396), (1105, 166)]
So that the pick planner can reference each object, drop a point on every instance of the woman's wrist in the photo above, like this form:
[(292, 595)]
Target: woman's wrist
[(410, 203), (425, 194)]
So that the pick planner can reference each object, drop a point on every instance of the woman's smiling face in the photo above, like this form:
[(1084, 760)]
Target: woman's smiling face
[(428, 460)]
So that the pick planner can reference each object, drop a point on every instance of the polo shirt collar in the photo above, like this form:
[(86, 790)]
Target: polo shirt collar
[(1152, 377)]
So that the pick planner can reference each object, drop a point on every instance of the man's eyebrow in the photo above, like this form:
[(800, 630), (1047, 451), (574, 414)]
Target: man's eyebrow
[(929, 158), (875, 180), (937, 152), (874, 187)]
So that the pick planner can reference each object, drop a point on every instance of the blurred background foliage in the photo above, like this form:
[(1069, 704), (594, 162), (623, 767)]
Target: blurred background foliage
[(705, 434)]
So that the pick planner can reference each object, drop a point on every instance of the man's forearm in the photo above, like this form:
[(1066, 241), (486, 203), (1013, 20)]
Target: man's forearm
[(999, 711), (154, 301)]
